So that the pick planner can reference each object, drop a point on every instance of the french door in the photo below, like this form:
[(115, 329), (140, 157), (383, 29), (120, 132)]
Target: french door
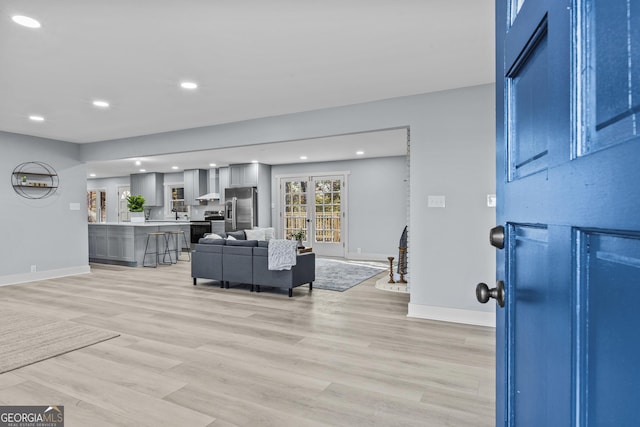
[(123, 211), (96, 206), (316, 206), (568, 258)]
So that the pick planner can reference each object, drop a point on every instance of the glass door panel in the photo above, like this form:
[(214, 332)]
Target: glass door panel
[(295, 212), (123, 210), (327, 223)]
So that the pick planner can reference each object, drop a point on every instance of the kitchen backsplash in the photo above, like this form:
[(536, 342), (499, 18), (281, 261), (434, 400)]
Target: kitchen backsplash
[(196, 212)]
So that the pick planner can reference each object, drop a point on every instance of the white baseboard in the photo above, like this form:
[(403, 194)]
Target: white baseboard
[(366, 257), (455, 315), (14, 279)]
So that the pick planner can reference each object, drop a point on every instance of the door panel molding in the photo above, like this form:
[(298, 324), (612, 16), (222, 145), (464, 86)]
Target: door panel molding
[(607, 341)]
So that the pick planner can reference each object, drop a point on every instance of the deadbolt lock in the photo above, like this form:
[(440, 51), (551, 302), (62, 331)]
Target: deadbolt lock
[(496, 237)]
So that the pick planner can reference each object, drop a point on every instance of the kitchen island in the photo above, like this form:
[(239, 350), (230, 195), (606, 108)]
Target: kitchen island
[(123, 243)]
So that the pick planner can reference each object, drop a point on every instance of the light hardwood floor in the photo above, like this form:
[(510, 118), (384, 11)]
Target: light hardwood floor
[(205, 356)]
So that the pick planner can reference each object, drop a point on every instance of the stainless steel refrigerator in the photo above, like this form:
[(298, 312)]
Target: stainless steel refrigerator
[(241, 208)]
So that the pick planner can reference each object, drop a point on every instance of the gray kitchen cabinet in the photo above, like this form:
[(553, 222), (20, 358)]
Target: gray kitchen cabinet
[(149, 186), (244, 175), (214, 181), (223, 181), (195, 184)]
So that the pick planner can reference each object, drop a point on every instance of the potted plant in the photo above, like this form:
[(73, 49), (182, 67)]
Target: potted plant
[(298, 235), (135, 203)]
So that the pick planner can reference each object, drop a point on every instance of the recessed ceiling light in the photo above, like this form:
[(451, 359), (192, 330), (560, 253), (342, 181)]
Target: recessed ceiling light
[(92, 175), (254, 161), (303, 157), (188, 85), (36, 118), (100, 103), (174, 167), (138, 162), (212, 165), (143, 170), (25, 21), (359, 153)]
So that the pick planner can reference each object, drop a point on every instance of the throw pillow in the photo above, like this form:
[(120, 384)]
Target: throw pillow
[(212, 236), (255, 234), (231, 238), (269, 232)]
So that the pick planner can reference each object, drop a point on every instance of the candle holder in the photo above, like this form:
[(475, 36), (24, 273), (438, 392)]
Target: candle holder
[(401, 262), (391, 270)]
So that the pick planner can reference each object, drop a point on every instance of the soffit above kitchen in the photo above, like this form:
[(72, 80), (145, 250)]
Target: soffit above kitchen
[(249, 59), (364, 145)]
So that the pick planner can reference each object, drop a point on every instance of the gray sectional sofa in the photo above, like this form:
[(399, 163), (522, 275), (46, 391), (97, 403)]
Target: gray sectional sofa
[(246, 261)]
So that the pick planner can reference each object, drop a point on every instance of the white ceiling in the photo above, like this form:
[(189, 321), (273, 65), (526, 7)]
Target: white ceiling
[(251, 58)]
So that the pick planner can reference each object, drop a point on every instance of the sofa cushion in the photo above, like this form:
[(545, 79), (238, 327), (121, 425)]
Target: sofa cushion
[(238, 235), (205, 241), (261, 251), (249, 243)]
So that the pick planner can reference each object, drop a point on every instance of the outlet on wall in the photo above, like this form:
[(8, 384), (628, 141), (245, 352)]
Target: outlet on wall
[(33, 268), (436, 201)]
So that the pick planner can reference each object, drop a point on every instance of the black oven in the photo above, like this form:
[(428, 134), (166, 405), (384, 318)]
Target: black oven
[(199, 229)]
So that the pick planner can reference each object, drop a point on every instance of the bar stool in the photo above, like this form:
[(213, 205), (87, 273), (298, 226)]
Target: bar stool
[(162, 242), (175, 236)]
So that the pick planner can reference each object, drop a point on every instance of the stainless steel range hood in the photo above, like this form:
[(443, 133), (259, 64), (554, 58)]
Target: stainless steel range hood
[(209, 196)]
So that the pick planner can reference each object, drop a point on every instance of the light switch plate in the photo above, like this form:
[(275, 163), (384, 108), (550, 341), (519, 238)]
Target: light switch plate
[(436, 201), (74, 206)]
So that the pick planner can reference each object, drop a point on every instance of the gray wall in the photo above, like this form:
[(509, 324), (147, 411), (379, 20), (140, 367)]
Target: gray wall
[(377, 202), (45, 232), (452, 145)]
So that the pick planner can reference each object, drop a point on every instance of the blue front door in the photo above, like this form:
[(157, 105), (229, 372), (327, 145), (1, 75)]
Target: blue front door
[(568, 191)]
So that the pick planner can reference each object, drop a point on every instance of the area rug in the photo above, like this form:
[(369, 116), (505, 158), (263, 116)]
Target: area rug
[(27, 338), (340, 275)]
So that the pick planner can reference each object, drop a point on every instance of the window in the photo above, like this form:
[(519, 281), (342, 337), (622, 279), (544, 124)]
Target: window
[(174, 202)]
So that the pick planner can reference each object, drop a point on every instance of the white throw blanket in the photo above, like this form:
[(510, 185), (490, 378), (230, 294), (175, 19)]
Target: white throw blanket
[(282, 254)]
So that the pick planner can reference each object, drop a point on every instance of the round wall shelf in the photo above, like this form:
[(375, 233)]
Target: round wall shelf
[(34, 180)]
